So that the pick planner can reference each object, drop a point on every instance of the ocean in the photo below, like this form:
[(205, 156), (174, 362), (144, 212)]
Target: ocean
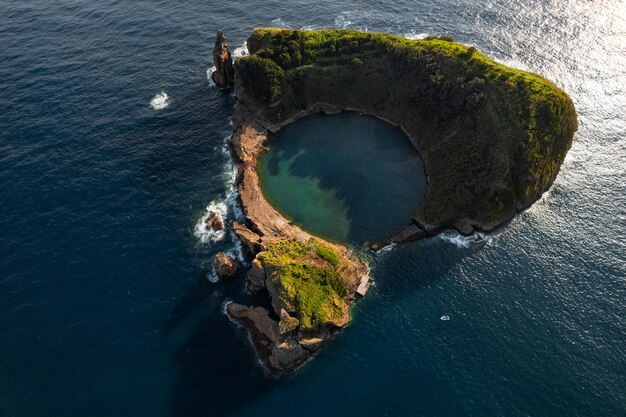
[(113, 143)]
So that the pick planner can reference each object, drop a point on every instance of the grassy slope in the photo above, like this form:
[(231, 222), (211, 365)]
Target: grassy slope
[(493, 137), (314, 280)]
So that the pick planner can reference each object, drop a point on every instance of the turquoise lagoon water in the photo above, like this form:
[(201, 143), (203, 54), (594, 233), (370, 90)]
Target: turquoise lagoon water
[(349, 177)]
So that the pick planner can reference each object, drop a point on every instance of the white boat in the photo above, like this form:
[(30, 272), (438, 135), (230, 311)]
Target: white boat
[(445, 317)]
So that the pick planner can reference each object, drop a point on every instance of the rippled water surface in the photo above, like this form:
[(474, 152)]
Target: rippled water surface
[(112, 145), (347, 177)]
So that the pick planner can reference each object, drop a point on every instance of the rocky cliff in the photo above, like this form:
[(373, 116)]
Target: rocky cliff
[(224, 74)]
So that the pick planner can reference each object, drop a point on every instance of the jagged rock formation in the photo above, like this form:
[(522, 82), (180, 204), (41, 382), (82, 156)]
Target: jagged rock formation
[(224, 265), (214, 221), (224, 74)]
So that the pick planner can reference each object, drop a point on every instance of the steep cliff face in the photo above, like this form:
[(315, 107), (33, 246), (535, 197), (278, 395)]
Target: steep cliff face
[(492, 137), (224, 74)]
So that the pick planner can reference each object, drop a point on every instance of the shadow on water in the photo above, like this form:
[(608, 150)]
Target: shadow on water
[(367, 164), (217, 370)]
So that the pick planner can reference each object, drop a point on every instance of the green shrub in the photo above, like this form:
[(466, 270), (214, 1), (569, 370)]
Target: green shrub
[(261, 76)]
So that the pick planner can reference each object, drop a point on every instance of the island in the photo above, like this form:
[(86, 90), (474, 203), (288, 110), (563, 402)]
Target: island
[(492, 139)]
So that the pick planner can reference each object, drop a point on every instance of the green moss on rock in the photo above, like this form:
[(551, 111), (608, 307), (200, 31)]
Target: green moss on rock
[(493, 137), (312, 280)]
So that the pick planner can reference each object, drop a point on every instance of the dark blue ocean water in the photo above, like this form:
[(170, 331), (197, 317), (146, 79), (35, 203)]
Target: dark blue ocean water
[(105, 304)]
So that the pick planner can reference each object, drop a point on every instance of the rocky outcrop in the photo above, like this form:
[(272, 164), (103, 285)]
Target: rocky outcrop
[(287, 323), (224, 74), (214, 221), (250, 240), (256, 277), (224, 265), (279, 352)]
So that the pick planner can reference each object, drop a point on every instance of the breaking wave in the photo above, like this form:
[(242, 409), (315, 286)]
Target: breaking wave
[(228, 209), (208, 76), (160, 101), (385, 249), (415, 36), (280, 23), (241, 51), (461, 241)]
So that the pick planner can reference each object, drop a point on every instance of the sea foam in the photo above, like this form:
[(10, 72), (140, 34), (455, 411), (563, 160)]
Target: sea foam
[(160, 101), (461, 241), (415, 36)]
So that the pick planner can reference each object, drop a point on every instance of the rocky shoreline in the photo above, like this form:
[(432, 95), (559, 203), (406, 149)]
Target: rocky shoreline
[(276, 336), (474, 183), (281, 341)]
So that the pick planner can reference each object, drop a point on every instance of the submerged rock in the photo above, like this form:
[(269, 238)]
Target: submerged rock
[(224, 265), (224, 74)]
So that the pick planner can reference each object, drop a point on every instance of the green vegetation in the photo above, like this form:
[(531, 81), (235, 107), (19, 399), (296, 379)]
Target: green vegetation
[(312, 279), (493, 137)]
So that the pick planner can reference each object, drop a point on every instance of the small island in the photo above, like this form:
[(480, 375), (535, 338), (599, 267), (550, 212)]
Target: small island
[(492, 139)]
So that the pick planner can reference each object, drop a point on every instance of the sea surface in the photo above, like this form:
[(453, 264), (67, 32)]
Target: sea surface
[(112, 145)]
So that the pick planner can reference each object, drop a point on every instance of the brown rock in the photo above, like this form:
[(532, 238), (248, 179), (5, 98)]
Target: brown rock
[(250, 240), (287, 356), (256, 277), (411, 233), (464, 228), (263, 330), (277, 354), (214, 221), (224, 74), (287, 323), (313, 343), (225, 266)]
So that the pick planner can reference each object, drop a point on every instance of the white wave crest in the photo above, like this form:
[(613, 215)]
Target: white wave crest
[(209, 72), (461, 241), (415, 36), (344, 20), (385, 249), (241, 51), (227, 207), (352, 20), (160, 101), (212, 276)]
